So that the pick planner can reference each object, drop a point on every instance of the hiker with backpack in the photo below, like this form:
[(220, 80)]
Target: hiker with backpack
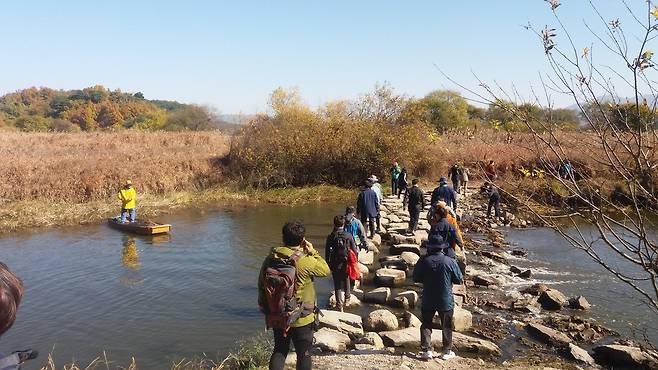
[(354, 226), (437, 272), (403, 182), (339, 248), (286, 295), (455, 174), (444, 192), (447, 232)]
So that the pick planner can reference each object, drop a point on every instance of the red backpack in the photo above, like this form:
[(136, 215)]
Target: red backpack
[(279, 284)]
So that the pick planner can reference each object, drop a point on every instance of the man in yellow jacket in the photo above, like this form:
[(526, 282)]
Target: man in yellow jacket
[(128, 197)]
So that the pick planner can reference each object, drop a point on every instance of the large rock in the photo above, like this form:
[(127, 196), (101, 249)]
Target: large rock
[(462, 319), (410, 320), (377, 240), (398, 249), (410, 258), (579, 355), (420, 236), (379, 295), (396, 263), (343, 322), (579, 303), (548, 335), (535, 289), (552, 299), (483, 280), (619, 355), (410, 295), (397, 238), (410, 338), (380, 320), (371, 339), (363, 269), (353, 302), (395, 219), (366, 257), (329, 340), (389, 277)]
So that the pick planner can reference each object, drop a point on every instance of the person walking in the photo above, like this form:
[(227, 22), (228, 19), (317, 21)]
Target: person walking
[(465, 178), (337, 249), (490, 171), (367, 206), (437, 272), (444, 192), (455, 175), (377, 187), (395, 173), (354, 226), (128, 197), (415, 200), (300, 255), (447, 231), (494, 200), (402, 182)]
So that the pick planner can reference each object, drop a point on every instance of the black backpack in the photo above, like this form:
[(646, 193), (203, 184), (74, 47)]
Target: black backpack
[(338, 251)]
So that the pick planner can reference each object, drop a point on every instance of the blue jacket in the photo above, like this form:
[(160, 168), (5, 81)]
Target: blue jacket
[(367, 204), (447, 193), (355, 227), (448, 233), (437, 272)]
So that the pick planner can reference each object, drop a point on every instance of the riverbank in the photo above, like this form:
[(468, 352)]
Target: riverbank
[(37, 214), (502, 316)]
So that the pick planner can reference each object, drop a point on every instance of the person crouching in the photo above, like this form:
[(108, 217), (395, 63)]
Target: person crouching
[(437, 272)]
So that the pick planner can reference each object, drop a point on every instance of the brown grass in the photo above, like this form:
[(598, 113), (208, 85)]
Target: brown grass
[(81, 167)]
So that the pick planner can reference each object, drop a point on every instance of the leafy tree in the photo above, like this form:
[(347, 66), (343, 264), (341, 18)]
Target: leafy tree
[(33, 123), (446, 109)]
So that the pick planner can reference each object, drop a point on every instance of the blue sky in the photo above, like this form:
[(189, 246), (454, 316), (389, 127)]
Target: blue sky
[(231, 55)]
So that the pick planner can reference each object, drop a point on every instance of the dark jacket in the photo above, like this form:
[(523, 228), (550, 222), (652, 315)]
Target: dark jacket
[(493, 194), (415, 199), (340, 262), (449, 234), (402, 180), (367, 204), (437, 272), (454, 173), (447, 193)]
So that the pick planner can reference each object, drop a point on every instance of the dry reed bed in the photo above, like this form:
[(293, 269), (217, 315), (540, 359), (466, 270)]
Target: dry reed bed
[(79, 167)]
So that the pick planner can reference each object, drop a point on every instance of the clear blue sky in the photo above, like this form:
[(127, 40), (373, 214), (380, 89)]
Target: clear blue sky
[(232, 54)]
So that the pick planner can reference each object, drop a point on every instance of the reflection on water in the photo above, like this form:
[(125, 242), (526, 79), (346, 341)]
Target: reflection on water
[(194, 291), (129, 255), (92, 288)]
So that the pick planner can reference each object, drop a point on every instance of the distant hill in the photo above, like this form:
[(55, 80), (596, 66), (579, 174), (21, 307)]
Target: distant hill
[(98, 108)]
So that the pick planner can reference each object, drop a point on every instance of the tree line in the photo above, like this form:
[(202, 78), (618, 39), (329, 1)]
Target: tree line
[(98, 108)]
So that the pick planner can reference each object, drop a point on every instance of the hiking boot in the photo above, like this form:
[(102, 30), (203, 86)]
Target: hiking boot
[(449, 355), (427, 355)]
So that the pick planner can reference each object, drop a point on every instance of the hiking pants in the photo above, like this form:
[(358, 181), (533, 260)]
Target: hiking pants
[(126, 213), (414, 216), (456, 184), (426, 329), (342, 284), (400, 190), (302, 338), (495, 203), (370, 221), (394, 186)]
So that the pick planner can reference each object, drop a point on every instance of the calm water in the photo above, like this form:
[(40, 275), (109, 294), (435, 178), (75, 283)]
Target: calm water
[(186, 294), (91, 288)]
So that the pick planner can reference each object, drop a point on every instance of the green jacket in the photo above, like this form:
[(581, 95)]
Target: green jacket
[(308, 266), (395, 172)]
